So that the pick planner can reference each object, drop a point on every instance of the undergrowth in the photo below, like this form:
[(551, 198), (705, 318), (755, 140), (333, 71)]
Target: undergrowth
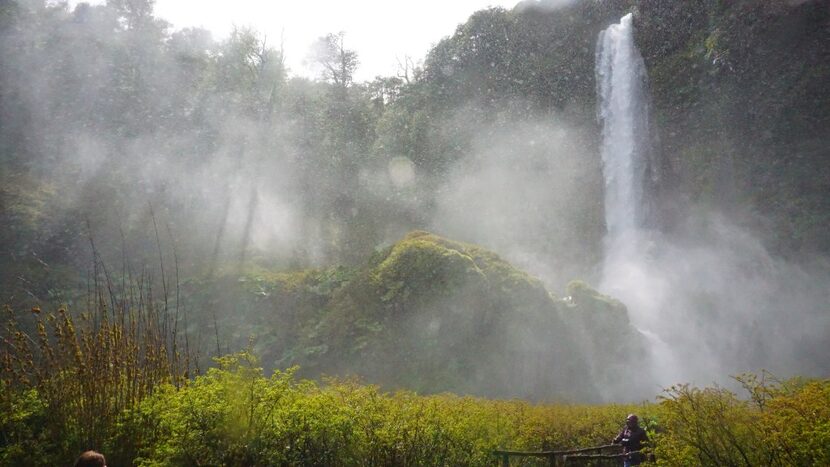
[(113, 382)]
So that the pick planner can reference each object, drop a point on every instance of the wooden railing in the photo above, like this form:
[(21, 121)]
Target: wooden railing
[(562, 457)]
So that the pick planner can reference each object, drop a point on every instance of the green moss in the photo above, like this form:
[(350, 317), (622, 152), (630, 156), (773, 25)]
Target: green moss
[(423, 263), (318, 281), (427, 262), (588, 301), (428, 313)]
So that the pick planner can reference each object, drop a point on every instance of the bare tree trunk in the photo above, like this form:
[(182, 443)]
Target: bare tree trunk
[(249, 223)]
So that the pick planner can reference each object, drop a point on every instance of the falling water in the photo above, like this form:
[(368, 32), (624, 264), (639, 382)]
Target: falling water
[(626, 151), (623, 113)]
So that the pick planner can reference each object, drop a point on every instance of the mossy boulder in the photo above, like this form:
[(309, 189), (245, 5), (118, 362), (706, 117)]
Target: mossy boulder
[(424, 267), (619, 361), (429, 314)]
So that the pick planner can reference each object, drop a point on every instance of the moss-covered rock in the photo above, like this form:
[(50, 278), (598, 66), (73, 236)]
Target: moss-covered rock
[(429, 314), (423, 266), (615, 350)]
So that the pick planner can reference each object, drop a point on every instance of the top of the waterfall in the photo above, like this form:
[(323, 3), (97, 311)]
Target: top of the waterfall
[(625, 22), (622, 29)]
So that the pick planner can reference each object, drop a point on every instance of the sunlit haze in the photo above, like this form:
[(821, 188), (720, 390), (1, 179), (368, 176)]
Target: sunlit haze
[(383, 33)]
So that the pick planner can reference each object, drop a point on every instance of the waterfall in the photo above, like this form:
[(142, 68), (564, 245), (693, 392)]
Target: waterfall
[(708, 300), (623, 111)]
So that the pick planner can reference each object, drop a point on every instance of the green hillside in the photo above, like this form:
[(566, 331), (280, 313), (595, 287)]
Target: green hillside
[(428, 314)]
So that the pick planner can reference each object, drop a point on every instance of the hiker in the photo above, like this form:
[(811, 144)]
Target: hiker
[(631, 438), (91, 459)]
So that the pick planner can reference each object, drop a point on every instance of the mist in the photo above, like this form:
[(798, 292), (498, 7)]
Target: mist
[(707, 293), (714, 302), (126, 143), (529, 190)]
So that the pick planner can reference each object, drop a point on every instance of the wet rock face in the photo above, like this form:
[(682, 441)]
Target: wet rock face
[(740, 113)]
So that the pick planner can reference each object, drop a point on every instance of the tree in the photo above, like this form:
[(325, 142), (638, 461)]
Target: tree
[(250, 73), (338, 63), (133, 13)]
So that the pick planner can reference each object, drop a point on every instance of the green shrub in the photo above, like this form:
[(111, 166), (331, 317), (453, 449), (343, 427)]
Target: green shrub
[(779, 424)]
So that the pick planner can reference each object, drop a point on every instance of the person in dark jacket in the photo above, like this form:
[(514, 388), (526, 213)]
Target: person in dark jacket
[(632, 438)]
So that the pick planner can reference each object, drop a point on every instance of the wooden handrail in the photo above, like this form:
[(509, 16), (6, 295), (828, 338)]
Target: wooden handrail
[(553, 453), (565, 455), (596, 448), (526, 453), (596, 456)]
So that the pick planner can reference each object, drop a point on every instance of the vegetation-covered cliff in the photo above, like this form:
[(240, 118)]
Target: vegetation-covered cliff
[(430, 314), (740, 100)]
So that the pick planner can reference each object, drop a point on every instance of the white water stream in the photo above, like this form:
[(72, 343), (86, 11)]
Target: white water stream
[(623, 113)]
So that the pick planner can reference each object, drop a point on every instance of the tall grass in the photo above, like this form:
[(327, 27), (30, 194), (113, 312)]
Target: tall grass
[(87, 370)]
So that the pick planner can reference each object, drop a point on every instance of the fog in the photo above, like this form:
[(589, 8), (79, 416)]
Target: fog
[(714, 302), (529, 190), (158, 144)]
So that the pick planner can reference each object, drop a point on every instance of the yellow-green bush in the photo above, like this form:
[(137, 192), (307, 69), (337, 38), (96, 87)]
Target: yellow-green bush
[(69, 386), (234, 415), (779, 424), (115, 382)]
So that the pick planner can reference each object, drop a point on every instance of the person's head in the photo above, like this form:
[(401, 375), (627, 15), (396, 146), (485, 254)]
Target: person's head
[(631, 420), (91, 459)]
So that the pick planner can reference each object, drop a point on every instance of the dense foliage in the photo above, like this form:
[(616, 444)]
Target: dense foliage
[(72, 381), (235, 415), (775, 423), (739, 94), (429, 314)]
